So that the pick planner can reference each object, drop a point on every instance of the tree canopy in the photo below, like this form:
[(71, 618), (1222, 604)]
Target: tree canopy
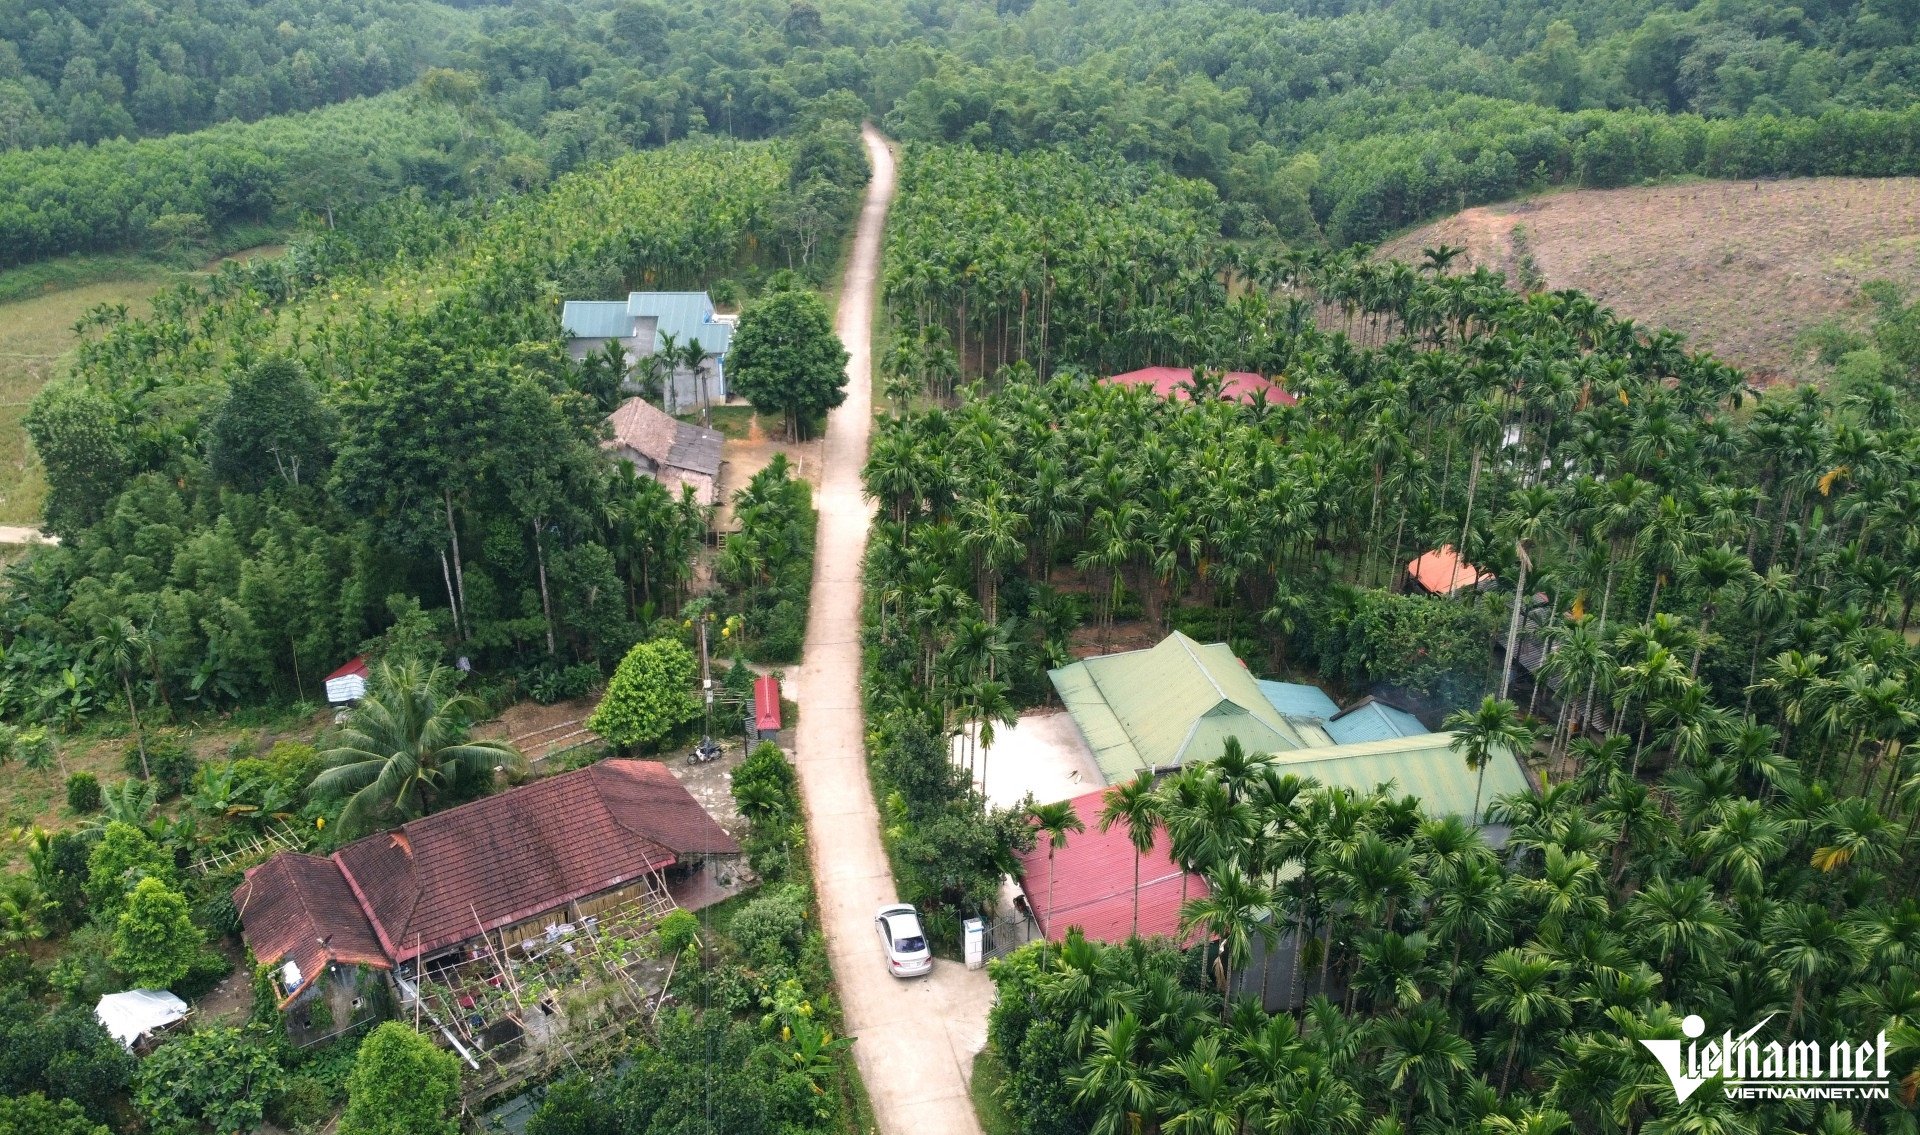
[(786, 359)]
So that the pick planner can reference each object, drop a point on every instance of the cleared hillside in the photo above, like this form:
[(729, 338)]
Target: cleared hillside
[(1739, 267)]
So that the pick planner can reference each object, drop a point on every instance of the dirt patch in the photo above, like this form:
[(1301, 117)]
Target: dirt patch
[(743, 457), (1740, 268), (231, 1001), (712, 783)]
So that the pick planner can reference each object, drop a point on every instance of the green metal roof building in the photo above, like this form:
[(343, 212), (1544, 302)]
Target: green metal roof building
[(1180, 700), (1171, 703)]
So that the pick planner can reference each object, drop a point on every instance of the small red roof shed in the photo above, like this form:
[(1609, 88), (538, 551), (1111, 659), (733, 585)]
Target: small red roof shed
[(349, 683), (766, 705), (1174, 382), (1092, 882)]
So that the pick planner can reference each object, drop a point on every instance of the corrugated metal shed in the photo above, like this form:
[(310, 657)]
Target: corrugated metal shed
[(1297, 699), (596, 319), (1424, 766), (1372, 721), (1161, 707), (685, 316)]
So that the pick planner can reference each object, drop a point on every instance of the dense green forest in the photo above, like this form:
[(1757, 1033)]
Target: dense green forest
[(1722, 580), (1316, 123), (85, 72)]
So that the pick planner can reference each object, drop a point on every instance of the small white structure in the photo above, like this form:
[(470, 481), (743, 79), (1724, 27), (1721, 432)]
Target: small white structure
[(137, 1013), (349, 683)]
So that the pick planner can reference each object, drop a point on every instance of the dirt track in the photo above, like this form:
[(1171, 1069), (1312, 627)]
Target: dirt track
[(1739, 267), (915, 1039)]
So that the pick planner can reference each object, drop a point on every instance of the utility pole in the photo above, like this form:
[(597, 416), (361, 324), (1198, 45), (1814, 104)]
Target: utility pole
[(706, 675)]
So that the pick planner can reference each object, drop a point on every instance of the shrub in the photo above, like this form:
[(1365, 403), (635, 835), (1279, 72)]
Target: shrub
[(83, 793), (401, 1085), (36, 748), (303, 1103), (155, 942), (769, 929), (219, 1078), (651, 695), (124, 856), (549, 684), (677, 931), (35, 1114), (170, 762)]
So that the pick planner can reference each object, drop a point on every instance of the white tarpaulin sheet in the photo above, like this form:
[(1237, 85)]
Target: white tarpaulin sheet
[(137, 1012)]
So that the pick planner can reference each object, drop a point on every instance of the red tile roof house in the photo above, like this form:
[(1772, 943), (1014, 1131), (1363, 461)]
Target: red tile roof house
[(512, 865), (1177, 382), (1092, 882)]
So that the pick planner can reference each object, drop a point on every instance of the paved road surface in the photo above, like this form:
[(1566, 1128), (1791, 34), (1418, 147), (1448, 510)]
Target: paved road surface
[(12, 535), (915, 1039)]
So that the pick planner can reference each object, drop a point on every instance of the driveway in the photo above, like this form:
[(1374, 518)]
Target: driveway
[(1041, 753), (915, 1039)]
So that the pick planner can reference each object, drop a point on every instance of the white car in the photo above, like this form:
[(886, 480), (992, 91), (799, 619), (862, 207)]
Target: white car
[(902, 941)]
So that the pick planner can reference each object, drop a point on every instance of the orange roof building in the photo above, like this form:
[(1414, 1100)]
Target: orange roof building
[(1443, 572)]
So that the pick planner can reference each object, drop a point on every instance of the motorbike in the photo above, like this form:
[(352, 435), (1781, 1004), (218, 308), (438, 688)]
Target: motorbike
[(705, 751)]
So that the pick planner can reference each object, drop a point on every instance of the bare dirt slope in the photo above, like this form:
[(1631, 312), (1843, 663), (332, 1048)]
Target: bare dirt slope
[(1739, 267)]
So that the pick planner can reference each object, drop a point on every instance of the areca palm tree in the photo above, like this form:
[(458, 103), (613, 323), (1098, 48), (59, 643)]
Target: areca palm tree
[(122, 647), (1236, 910), (1134, 804), (1520, 988), (403, 745), (1489, 729), (1054, 822)]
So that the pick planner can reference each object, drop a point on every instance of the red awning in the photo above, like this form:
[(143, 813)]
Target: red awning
[(766, 704)]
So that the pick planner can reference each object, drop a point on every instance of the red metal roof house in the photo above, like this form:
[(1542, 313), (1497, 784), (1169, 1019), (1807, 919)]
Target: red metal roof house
[(349, 683), (1443, 572), (1092, 882), (1176, 382)]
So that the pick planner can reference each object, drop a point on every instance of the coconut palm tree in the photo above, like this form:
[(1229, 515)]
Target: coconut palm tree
[(404, 744), (1134, 804)]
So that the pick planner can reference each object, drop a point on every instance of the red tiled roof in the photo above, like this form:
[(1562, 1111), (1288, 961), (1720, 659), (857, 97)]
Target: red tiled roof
[(438, 880), (491, 863), (766, 702), (290, 903), (355, 665), (1174, 382), (1093, 881), (1443, 572)]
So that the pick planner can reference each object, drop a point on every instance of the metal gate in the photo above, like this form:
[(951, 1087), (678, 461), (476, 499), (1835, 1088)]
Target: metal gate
[(1005, 935)]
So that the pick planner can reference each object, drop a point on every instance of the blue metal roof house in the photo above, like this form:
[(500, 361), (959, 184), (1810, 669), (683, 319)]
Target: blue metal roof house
[(642, 324)]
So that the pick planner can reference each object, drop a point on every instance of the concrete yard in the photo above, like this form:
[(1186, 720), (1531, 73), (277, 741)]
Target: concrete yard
[(1042, 753)]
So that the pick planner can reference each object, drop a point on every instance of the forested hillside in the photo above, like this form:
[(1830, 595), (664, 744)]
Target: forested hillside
[(260, 472), (83, 72), (1317, 123)]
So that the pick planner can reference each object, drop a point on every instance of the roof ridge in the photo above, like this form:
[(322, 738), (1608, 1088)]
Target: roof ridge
[(1181, 638)]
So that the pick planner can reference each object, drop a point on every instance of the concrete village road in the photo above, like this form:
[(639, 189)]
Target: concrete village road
[(915, 1038)]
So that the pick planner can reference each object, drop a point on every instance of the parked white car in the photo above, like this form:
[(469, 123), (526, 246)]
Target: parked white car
[(902, 941)]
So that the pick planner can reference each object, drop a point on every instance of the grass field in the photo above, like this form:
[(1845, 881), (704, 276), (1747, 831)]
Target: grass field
[(39, 304), (36, 334), (1740, 268)]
